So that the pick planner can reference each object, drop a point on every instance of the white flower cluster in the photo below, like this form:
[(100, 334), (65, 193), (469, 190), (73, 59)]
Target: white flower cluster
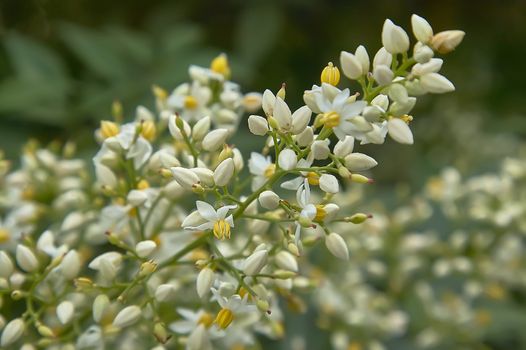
[(173, 244)]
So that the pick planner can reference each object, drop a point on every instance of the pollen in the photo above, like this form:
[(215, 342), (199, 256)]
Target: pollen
[(221, 229), (220, 65), (313, 178), (332, 119), (143, 184), (321, 213), (4, 235), (330, 74), (407, 118), (224, 318), (270, 170), (190, 102), (149, 131), (108, 129), (206, 320)]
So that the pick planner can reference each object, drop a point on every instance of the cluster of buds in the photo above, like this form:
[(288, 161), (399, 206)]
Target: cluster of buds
[(173, 243)]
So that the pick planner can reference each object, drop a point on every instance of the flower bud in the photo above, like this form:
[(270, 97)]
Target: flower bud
[(220, 65), (137, 198), (300, 119), (198, 339), (330, 75), (145, 248), (282, 92), (423, 53), (147, 268), (268, 102), (284, 275), (432, 66), (383, 75), (44, 330), (205, 175), (160, 333), (205, 279), (6, 265), (351, 66), (306, 137), (358, 218), (421, 29), (12, 332), (337, 246), (258, 125), (344, 147), (382, 58), (436, 83), (185, 177), (224, 172), (215, 139), (165, 292), (26, 259), (65, 311), (100, 306), (358, 178), (394, 38), (359, 162), (252, 101), (400, 131), (287, 159), (269, 200), (320, 149), (329, 183), (293, 248), (255, 262), (201, 128), (127, 316), (362, 56), (446, 41), (176, 124), (286, 261), (282, 115), (70, 265)]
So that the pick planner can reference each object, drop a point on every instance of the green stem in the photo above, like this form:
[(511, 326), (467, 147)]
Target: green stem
[(196, 243)]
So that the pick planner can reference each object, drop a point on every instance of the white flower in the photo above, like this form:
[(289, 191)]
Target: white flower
[(224, 172), (286, 261), (255, 262), (308, 210), (282, 115), (337, 246), (230, 307), (421, 29), (359, 162), (257, 125), (329, 183), (12, 332), (70, 265), (26, 259), (215, 220), (6, 265), (145, 248), (262, 168), (436, 83), (287, 159), (205, 280), (165, 292), (215, 139), (394, 38), (190, 101), (269, 200), (65, 311), (127, 316), (400, 131), (351, 65)]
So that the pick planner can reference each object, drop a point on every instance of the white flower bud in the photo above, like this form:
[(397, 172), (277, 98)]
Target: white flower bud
[(137, 198), (351, 65), (107, 270), (337, 246), (215, 139), (91, 338), (114, 258), (255, 262), (268, 102), (446, 41), (127, 316), (287, 159), (344, 147), (224, 172), (432, 66), (382, 58), (331, 209), (400, 131), (320, 149), (165, 292), (300, 119), (185, 177), (329, 183), (372, 113), (421, 29), (269, 200), (167, 160), (205, 280), (361, 124), (174, 129), (145, 248), (376, 135), (26, 259), (258, 125), (100, 306), (193, 219), (362, 56), (6, 265), (201, 128), (198, 339), (383, 75), (65, 311), (238, 159), (359, 162), (70, 265), (398, 109), (394, 38), (205, 175), (282, 114), (143, 113), (398, 93), (105, 176), (381, 101), (286, 261), (436, 83), (423, 53), (306, 137), (226, 116), (12, 332)]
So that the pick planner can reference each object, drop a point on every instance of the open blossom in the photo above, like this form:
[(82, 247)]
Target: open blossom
[(261, 167), (216, 220)]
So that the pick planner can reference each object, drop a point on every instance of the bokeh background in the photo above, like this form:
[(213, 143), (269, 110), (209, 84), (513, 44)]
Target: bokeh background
[(62, 63)]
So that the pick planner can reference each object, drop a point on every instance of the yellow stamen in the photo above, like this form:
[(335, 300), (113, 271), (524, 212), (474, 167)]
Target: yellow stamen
[(206, 319), (143, 184), (224, 318), (330, 75), (243, 291), (321, 213), (159, 92), (407, 118), (149, 131), (354, 346), (4, 235), (270, 170), (190, 102), (331, 119), (482, 317), (221, 229), (108, 129), (313, 178), (220, 65)]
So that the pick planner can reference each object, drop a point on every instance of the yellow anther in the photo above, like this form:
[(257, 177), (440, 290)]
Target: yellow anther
[(4, 235), (220, 65), (108, 129), (132, 212), (494, 291), (159, 92), (330, 75), (221, 229), (282, 92), (407, 118), (243, 291), (321, 213), (313, 178), (143, 184), (270, 170), (224, 318), (199, 254), (206, 320), (190, 102), (28, 193), (482, 317), (331, 119), (149, 130), (354, 346)]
